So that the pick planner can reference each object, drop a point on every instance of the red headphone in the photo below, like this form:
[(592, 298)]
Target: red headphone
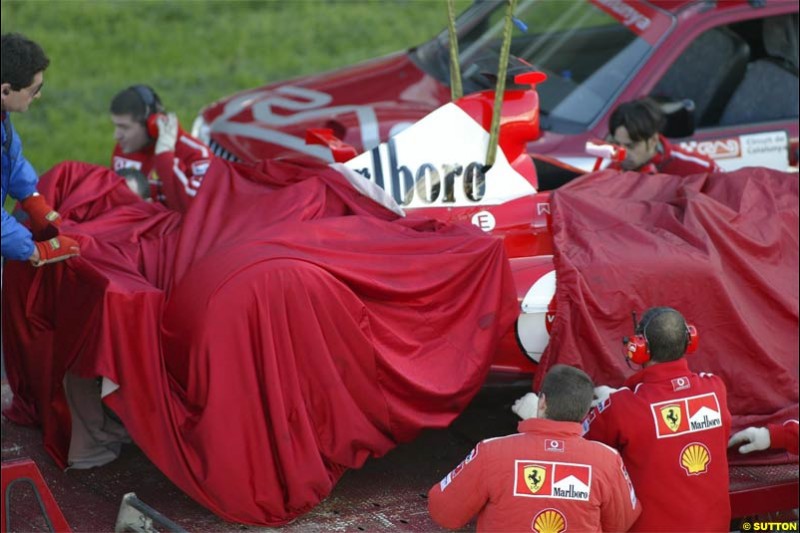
[(637, 349)]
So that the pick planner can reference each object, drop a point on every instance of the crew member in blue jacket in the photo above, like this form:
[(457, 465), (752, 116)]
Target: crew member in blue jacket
[(23, 66)]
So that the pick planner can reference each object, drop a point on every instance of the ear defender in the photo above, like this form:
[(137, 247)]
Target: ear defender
[(637, 349), (692, 339), (152, 125)]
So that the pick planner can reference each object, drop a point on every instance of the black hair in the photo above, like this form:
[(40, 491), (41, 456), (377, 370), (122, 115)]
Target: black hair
[(568, 392), (666, 333), (22, 59), (642, 118), (139, 101)]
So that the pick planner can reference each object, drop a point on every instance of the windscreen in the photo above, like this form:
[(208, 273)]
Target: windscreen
[(588, 49)]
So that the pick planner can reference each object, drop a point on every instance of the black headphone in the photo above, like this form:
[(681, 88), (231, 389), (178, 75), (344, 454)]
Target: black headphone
[(152, 107), (148, 97)]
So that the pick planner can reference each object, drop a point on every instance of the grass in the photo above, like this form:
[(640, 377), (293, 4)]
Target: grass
[(192, 52)]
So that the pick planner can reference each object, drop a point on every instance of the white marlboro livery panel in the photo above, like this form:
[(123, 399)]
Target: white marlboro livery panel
[(770, 149), (438, 162)]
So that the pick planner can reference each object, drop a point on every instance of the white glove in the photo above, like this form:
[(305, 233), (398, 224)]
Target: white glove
[(167, 133), (755, 439), (527, 406), (601, 394)]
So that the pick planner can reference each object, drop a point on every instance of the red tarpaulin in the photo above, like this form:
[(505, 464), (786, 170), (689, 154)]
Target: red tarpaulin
[(721, 248), (285, 329)]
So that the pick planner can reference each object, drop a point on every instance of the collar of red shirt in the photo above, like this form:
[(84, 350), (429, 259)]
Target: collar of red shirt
[(550, 428), (663, 154), (659, 372)]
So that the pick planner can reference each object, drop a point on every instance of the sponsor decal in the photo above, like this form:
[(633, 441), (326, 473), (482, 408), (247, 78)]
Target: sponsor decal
[(542, 207), (681, 383), (641, 19), (553, 445), (602, 406), (199, 168), (418, 170), (534, 477), (549, 521), (122, 162), (769, 149), (547, 479), (286, 106), (484, 220), (695, 458), (671, 414), (631, 492), (446, 480), (716, 149), (428, 183), (587, 422), (549, 317), (624, 13), (686, 415)]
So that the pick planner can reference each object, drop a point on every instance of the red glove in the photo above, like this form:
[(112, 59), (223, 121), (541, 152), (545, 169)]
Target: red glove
[(44, 219), (56, 249)]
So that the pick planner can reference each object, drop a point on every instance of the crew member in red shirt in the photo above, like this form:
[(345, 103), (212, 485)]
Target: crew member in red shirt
[(772, 436), (635, 126), (545, 478), (671, 426), (151, 141)]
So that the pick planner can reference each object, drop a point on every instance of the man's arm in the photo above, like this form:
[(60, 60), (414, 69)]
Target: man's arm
[(17, 241), (23, 180), (181, 167), (462, 493), (620, 507), (603, 422), (784, 436)]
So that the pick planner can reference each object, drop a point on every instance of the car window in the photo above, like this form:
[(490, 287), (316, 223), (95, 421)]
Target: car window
[(743, 73), (589, 50)]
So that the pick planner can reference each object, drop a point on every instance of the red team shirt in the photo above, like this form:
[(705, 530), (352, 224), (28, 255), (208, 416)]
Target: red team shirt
[(671, 427), (174, 177), (545, 478), (675, 161), (784, 436)]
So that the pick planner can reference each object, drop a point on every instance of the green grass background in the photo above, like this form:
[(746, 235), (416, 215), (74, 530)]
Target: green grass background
[(192, 52)]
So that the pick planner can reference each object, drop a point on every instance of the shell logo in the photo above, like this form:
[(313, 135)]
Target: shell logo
[(695, 458), (549, 521)]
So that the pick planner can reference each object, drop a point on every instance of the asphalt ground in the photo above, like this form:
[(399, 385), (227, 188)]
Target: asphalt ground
[(387, 494)]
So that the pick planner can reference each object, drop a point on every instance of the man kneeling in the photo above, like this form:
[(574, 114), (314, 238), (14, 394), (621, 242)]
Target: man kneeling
[(544, 478)]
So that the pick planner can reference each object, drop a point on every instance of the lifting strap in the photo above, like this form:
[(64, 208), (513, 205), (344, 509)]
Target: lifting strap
[(502, 68), (456, 90)]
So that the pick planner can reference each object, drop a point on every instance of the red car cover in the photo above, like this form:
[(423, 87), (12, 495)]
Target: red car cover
[(721, 248), (285, 329)]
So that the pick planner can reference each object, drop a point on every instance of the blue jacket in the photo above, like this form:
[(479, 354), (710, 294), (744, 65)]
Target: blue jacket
[(19, 181)]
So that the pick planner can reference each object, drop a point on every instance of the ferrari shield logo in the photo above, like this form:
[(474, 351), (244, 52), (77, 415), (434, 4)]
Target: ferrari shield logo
[(671, 414), (534, 477)]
